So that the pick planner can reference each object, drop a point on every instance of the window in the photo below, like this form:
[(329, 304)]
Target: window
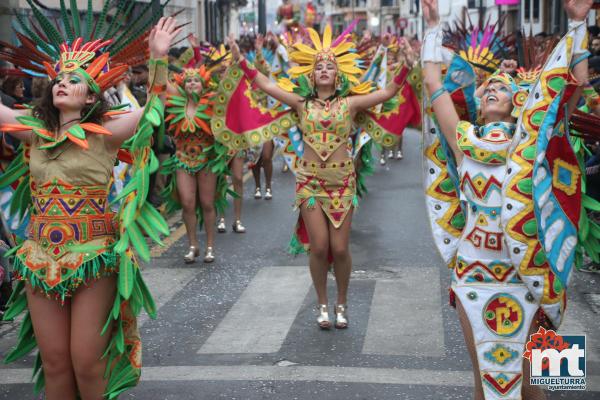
[(527, 9), (536, 10)]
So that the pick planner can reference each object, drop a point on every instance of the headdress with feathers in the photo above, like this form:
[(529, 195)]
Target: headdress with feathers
[(49, 48)]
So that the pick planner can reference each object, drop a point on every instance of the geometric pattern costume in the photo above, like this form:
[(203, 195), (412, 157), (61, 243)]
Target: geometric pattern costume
[(74, 237), (506, 219), (240, 122)]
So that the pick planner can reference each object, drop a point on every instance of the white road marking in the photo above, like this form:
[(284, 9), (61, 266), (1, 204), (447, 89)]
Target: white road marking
[(402, 321), (383, 376), (261, 318)]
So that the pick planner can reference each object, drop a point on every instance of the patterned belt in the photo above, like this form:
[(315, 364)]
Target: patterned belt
[(64, 215)]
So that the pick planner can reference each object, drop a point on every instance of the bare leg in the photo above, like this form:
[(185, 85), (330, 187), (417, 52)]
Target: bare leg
[(531, 392), (267, 162), (339, 240), (317, 226), (237, 171), (207, 187), (89, 310), (51, 326), (469, 341), (186, 187), (256, 173)]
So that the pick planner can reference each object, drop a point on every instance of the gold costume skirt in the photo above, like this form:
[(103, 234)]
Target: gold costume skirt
[(330, 185)]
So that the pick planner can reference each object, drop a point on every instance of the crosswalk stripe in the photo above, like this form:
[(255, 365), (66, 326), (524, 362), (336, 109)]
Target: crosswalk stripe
[(164, 283), (296, 373), (261, 318), (393, 328)]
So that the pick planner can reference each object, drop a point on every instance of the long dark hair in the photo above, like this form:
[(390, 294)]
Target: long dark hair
[(43, 108)]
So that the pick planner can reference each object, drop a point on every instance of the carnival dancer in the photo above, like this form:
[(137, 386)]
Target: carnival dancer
[(325, 180), (272, 62), (79, 281), (503, 217), (199, 166)]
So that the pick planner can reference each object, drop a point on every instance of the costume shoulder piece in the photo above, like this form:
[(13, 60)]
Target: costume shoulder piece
[(542, 196), (239, 120)]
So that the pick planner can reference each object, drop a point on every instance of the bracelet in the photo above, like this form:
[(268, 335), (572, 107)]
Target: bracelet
[(438, 93), (249, 71), (400, 78), (158, 75)]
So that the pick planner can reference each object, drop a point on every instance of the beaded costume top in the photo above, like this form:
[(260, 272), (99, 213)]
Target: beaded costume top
[(326, 125), (482, 255)]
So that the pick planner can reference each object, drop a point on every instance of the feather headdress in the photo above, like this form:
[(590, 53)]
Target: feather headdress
[(341, 52), (49, 48)]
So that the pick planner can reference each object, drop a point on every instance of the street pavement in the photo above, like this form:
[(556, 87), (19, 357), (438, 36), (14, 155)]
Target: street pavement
[(244, 327)]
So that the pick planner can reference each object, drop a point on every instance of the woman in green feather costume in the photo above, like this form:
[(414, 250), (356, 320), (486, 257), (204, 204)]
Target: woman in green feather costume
[(79, 281)]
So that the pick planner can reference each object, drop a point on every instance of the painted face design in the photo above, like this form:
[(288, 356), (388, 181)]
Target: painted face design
[(70, 91)]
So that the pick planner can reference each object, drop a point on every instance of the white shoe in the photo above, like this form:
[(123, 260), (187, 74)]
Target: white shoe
[(268, 194), (382, 160), (221, 227), (399, 155), (257, 194), (391, 154)]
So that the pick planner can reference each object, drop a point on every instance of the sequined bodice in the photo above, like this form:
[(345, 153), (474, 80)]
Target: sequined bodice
[(326, 125), (482, 173)]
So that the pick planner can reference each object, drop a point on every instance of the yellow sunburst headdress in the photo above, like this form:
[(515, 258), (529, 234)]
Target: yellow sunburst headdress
[(339, 52)]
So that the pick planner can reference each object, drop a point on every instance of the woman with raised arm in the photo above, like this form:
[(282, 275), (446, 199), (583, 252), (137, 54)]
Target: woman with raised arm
[(325, 180), (79, 280), (504, 196), (198, 184)]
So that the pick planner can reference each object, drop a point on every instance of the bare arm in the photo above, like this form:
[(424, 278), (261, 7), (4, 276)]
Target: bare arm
[(159, 41), (577, 11), (293, 100), (365, 101), (9, 116), (443, 107)]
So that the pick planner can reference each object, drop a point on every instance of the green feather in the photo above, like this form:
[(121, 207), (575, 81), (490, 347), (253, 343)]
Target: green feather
[(15, 170), (143, 22), (149, 305), (77, 131), (31, 121), (66, 21), (139, 241), (89, 20), (121, 14), (122, 244), (23, 348), (126, 277), (149, 229), (129, 211), (40, 382), (47, 27), (75, 16), (102, 18), (155, 219), (52, 52)]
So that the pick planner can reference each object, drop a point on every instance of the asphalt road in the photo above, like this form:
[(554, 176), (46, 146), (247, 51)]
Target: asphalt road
[(244, 327)]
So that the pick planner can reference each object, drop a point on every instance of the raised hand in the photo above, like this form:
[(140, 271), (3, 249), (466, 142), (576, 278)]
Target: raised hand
[(577, 10), (431, 13), (233, 46), (162, 36), (193, 40)]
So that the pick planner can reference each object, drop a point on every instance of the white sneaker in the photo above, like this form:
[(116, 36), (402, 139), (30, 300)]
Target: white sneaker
[(399, 155), (257, 194), (391, 154), (382, 160)]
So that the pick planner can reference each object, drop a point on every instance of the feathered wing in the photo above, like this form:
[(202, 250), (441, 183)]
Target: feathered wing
[(239, 120), (440, 175), (542, 194)]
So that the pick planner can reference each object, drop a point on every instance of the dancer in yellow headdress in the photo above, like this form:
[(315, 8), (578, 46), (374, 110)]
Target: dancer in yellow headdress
[(319, 94)]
